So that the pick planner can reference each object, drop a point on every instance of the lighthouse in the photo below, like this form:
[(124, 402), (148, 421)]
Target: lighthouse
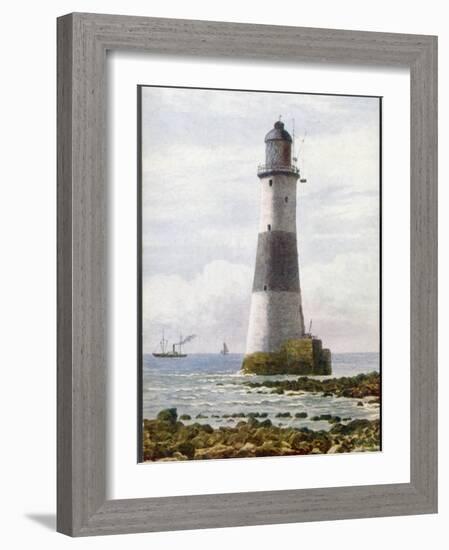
[(277, 341)]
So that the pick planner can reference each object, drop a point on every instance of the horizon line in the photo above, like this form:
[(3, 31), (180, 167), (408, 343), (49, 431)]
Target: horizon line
[(243, 353)]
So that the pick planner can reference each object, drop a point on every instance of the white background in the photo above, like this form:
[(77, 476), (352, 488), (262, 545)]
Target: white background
[(129, 480), (28, 318)]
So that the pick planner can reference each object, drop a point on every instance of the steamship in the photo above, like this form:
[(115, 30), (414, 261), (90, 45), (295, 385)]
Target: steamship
[(172, 353)]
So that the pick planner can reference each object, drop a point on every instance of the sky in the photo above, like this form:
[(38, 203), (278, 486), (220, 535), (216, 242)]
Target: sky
[(200, 209)]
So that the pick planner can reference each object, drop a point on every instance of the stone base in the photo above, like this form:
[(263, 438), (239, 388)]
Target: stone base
[(305, 356)]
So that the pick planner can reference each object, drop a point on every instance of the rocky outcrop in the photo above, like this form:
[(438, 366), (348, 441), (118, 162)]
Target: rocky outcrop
[(304, 356), (167, 439), (360, 386)]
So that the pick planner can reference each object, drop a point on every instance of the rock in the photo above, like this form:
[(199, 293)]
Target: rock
[(217, 451), (301, 415), (179, 456), (304, 448), (185, 417), (258, 437), (245, 453), (187, 449), (165, 440), (237, 439), (296, 441), (168, 415), (249, 449), (207, 428), (164, 435), (360, 404), (359, 386), (297, 356), (199, 441), (266, 423), (355, 427), (268, 448)]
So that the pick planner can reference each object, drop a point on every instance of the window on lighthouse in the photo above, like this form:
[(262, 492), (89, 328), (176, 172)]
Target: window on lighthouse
[(265, 287), (286, 199), (269, 227), (270, 183)]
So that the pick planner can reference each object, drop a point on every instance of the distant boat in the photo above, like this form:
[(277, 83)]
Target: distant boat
[(173, 353), (225, 349)]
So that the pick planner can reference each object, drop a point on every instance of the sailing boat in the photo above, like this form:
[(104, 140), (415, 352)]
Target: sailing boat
[(225, 349)]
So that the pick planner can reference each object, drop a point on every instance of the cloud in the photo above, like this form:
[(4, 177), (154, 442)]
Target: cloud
[(342, 297), (214, 304)]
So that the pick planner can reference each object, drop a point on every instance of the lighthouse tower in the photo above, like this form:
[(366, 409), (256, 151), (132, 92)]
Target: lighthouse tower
[(276, 340)]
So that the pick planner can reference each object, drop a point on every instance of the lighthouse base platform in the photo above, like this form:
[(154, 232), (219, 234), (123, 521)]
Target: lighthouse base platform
[(305, 356)]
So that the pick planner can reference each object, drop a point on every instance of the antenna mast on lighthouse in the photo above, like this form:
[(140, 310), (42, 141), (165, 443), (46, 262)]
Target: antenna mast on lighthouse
[(295, 155), (303, 180)]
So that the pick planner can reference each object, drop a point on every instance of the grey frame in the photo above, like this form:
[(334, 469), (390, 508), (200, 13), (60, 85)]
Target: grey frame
[(83, 40)]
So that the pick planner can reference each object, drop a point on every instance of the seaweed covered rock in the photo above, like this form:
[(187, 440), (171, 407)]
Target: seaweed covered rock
[(301, 356), (165, 438), (168, 415), (357, 387)]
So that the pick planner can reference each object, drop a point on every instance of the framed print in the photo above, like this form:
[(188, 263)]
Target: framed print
[(246, 274), (227, 272)]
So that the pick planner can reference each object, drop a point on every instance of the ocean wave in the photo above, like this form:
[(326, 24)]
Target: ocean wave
[(252, 403), (188, 398)]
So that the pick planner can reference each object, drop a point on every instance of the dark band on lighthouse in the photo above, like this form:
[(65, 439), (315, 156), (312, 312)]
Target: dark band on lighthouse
[(276, 262)]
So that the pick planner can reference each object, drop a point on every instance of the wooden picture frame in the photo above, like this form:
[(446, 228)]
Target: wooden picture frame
[(83, 40)]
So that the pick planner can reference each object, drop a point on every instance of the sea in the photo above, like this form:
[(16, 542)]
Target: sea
[(210, 388)]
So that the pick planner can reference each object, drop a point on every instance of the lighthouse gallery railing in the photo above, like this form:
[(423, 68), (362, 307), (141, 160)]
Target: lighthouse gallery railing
[(290, 168)]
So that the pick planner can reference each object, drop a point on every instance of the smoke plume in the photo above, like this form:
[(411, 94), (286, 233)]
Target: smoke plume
[(186, 339)]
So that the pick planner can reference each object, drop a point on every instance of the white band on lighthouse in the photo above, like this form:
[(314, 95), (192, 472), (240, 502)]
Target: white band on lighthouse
[(278, 203), (273, 309)]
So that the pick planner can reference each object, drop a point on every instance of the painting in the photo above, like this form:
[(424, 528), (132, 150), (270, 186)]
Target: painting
[(259, 273)]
